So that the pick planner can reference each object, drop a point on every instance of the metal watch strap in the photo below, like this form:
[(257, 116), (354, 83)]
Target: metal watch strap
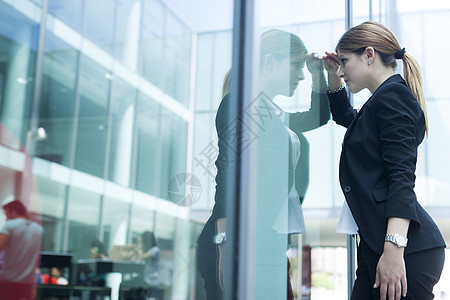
[(397, 239)]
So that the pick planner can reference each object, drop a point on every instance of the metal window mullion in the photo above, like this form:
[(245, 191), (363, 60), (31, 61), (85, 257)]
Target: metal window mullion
[(34, 118), (240, 270), (351, 239)]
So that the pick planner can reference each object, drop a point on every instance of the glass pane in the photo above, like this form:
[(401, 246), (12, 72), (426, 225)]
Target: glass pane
[(173, 146), (83, 216), (177, 56), (58, 99), (128, 27), (147, 129), (19, 34), (53, 195), (295, 182), (93, 118), (69, 12), (152, 43), (122, 126), (116, 216), (98, 18)]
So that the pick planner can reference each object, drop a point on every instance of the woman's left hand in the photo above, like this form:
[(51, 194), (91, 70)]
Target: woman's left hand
[(314, 63), (391, 273)]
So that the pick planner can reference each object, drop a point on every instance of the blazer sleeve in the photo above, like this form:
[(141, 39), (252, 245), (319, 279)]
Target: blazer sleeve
[(401, 127), (226, 159), (341, 109)]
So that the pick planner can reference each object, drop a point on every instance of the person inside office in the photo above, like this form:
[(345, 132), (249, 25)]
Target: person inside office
[(401, 250)]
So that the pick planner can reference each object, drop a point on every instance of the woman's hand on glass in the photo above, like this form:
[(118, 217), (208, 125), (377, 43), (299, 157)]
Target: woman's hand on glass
[(314, 63)]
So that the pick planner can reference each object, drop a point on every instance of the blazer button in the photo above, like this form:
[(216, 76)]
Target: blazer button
[(347, 189)]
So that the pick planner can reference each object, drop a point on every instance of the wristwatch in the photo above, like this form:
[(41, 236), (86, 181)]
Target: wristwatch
[(398, 239), (220, 238)]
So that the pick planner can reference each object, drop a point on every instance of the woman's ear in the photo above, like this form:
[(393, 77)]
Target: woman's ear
[(269, 62), (370, 54)]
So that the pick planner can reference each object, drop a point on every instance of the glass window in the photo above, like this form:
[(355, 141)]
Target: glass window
[(69, 12), (165, 228), (53, 203), (98, 23), (115, 223), (147, 133), (294, 155), (83, 221), (58, 101), (177, 59), (122, 126), (152, 41), (173, 146), (92, 118), (18, 43), (127, 33)]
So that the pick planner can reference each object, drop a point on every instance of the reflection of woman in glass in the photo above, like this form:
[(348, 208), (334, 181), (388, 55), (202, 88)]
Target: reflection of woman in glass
[(150, 254), (401, 251), (282, 59)]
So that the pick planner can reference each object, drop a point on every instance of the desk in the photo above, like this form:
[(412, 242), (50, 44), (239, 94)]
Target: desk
[(99, 266), (130, 270), (50, 291), (132, 273)]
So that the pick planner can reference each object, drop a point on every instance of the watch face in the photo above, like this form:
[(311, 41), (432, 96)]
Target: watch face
[(400, 240), (219, 239)]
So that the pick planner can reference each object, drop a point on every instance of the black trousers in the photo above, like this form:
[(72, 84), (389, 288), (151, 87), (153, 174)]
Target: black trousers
[(423, 270), (207, 261)]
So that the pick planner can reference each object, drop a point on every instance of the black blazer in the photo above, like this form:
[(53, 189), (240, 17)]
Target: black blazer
[(378, 163)]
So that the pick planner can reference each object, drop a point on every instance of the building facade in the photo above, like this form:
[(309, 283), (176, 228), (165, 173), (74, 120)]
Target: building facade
[(107, 112)]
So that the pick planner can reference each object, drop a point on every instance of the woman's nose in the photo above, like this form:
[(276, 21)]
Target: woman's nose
[(301, 75)]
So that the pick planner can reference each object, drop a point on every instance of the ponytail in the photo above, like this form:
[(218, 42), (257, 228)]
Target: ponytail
[(414, 81)]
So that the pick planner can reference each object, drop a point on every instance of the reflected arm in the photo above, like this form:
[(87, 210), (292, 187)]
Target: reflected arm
[(317, 115)]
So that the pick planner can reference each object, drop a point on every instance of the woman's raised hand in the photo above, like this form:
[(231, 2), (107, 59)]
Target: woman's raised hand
[(331, 62)]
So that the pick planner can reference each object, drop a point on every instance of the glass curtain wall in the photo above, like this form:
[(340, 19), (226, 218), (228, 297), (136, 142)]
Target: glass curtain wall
[(101, 94)]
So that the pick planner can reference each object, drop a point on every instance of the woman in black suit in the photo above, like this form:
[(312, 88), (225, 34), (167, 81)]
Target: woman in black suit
[(401, 251)]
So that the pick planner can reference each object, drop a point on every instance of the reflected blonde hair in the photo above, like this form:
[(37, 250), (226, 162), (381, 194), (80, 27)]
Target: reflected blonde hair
[(276, 42), (378, 36)]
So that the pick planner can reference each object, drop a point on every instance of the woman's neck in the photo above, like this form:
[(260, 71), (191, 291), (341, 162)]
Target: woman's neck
[(380, 78)]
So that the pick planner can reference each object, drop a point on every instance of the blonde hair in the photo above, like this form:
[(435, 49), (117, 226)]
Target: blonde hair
[(378, 36)]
